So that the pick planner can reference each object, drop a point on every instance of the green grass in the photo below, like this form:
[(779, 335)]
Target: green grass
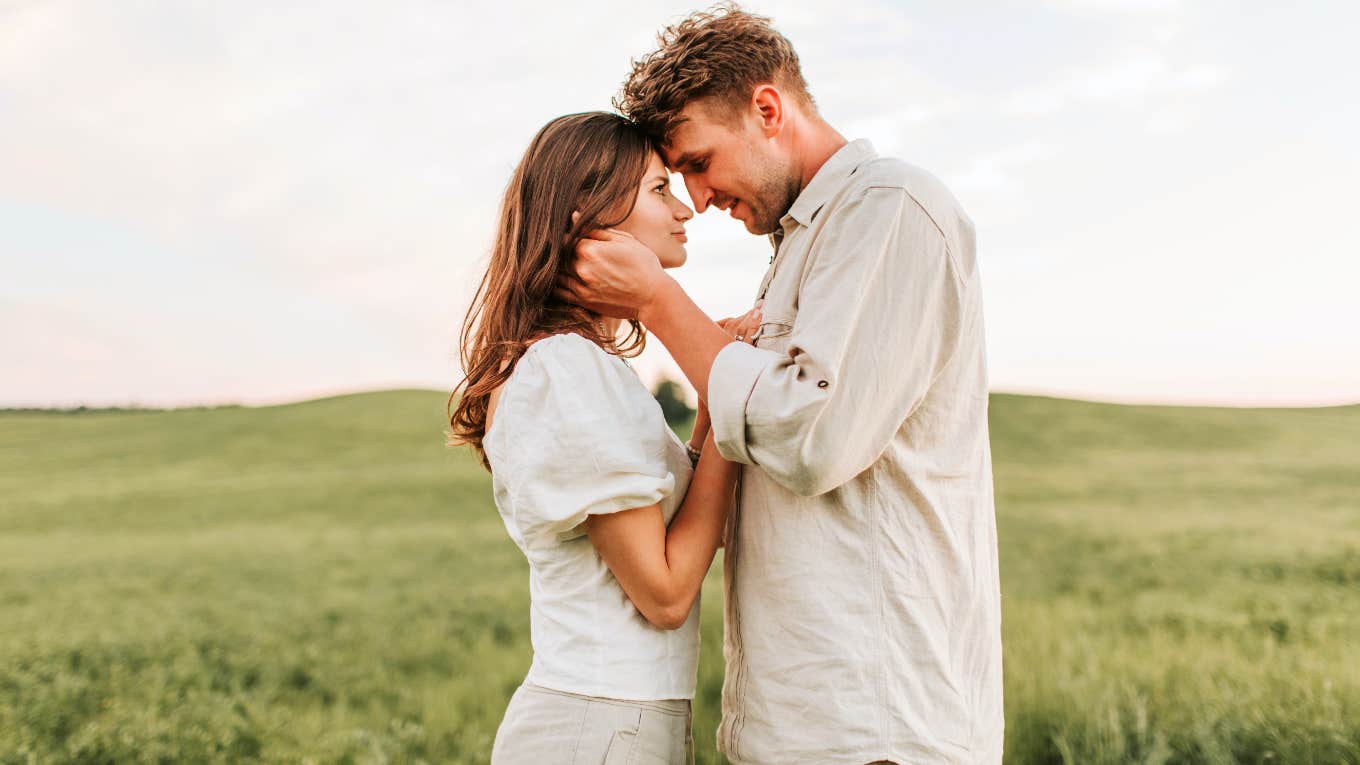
[(324, 582)]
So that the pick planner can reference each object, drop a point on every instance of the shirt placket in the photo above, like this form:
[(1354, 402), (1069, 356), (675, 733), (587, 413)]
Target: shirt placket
[(731, 554), (776, 239)]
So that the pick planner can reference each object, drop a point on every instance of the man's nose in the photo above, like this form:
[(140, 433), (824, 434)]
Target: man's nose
[(700, 194)]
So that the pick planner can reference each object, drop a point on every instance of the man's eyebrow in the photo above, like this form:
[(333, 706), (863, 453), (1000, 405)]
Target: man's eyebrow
[(684, 161)]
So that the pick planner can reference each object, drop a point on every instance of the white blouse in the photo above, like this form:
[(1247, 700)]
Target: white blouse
[(576, 433)]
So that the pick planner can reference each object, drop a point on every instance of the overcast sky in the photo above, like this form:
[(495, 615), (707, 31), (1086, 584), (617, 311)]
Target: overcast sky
[(257, 202)]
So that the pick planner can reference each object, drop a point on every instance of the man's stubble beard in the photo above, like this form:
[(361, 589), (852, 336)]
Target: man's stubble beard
[(774, 196)]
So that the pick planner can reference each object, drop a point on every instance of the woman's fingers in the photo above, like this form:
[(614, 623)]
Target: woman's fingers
[(742, 328), (745, 328)]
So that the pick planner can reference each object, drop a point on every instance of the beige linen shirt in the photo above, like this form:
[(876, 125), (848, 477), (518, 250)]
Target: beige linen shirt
[(863, 606)]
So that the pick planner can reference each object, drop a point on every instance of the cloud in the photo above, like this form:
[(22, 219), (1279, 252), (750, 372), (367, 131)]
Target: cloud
[(993, 172), (1126, 82), (319, 182), (1168, 121), (1122, 6)]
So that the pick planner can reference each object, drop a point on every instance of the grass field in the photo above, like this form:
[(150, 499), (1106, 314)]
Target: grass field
[(324, 582)]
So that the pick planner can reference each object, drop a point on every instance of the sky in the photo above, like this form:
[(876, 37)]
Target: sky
[(261, 202)]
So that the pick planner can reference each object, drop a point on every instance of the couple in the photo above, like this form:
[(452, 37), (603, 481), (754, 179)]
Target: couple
[(840, 453)]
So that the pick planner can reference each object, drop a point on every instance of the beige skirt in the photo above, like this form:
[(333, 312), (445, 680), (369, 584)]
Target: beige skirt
[(547, 727)]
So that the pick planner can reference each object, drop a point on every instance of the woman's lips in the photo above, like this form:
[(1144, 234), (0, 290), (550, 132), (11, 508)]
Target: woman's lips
[(680, 235)]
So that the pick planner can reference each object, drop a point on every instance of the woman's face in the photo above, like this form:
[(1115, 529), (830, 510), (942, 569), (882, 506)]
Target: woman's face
[(658, 218)]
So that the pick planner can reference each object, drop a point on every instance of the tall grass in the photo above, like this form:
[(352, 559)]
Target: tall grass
[(324, 582)]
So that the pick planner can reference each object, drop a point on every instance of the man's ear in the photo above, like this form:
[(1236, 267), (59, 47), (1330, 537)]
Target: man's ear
[(769, 108)]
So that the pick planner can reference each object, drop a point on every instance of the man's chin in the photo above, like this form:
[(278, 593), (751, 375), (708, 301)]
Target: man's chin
[(752, 222), (760, 228)]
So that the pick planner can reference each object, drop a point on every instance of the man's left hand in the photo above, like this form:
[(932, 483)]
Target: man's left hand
[(615, 275)]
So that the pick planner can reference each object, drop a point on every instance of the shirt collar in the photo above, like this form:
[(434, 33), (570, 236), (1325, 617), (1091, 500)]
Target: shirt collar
[(828, 180)]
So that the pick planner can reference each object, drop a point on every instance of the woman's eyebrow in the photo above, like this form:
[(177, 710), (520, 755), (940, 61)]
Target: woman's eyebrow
[(660, 179)]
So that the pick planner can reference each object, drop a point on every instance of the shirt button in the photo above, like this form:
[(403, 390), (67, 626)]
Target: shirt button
[(822, 384)]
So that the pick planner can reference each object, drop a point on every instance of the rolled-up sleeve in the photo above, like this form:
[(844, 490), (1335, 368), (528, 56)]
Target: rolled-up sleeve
[(878, 318)]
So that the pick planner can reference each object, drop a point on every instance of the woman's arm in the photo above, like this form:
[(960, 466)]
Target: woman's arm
[(701, 427), (660, 569)]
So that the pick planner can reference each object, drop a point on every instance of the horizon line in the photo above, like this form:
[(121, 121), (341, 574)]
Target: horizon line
[(264, 402)]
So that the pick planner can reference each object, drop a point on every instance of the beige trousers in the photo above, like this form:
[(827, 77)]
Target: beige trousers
[(547, 727)]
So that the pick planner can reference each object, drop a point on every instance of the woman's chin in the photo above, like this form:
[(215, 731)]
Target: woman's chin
[(674, 259)]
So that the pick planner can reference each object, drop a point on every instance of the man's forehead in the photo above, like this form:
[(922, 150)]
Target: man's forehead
[(688, 139), (677, 150)]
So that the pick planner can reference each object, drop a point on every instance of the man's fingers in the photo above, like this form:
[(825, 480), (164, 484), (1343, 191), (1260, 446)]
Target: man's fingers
[(571, 283), (570, 289), (602, 235), (607, 235)]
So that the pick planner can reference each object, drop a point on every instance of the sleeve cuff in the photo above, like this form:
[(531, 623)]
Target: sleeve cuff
[(632, 492), (736, 369)]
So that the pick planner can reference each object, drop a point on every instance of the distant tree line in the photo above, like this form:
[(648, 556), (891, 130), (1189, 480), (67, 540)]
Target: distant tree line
[(82, 409), (671, 397)]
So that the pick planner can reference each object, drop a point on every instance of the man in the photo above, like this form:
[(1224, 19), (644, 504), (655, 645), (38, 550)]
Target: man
[(863, 607)]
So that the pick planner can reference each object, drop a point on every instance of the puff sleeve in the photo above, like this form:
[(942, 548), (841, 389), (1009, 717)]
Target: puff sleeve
[(581, 436)]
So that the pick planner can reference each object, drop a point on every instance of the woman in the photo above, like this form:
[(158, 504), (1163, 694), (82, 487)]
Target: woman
[(618, 519)]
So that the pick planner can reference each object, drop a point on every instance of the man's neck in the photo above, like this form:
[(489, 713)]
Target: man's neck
[(814, 143)]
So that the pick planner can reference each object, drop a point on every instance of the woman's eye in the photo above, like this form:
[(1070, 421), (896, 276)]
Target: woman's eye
[(662, 189)]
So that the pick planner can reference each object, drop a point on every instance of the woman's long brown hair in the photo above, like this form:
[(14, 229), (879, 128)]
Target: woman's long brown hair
[(592, 163)]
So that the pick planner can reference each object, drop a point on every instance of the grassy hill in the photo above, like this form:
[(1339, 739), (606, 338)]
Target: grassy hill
[(325, 582)]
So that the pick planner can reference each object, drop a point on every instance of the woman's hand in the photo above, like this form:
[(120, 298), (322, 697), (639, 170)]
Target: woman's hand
[(743, 328)]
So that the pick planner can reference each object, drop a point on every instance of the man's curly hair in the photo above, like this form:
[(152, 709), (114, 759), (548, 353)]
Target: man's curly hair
[(721, 53)]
